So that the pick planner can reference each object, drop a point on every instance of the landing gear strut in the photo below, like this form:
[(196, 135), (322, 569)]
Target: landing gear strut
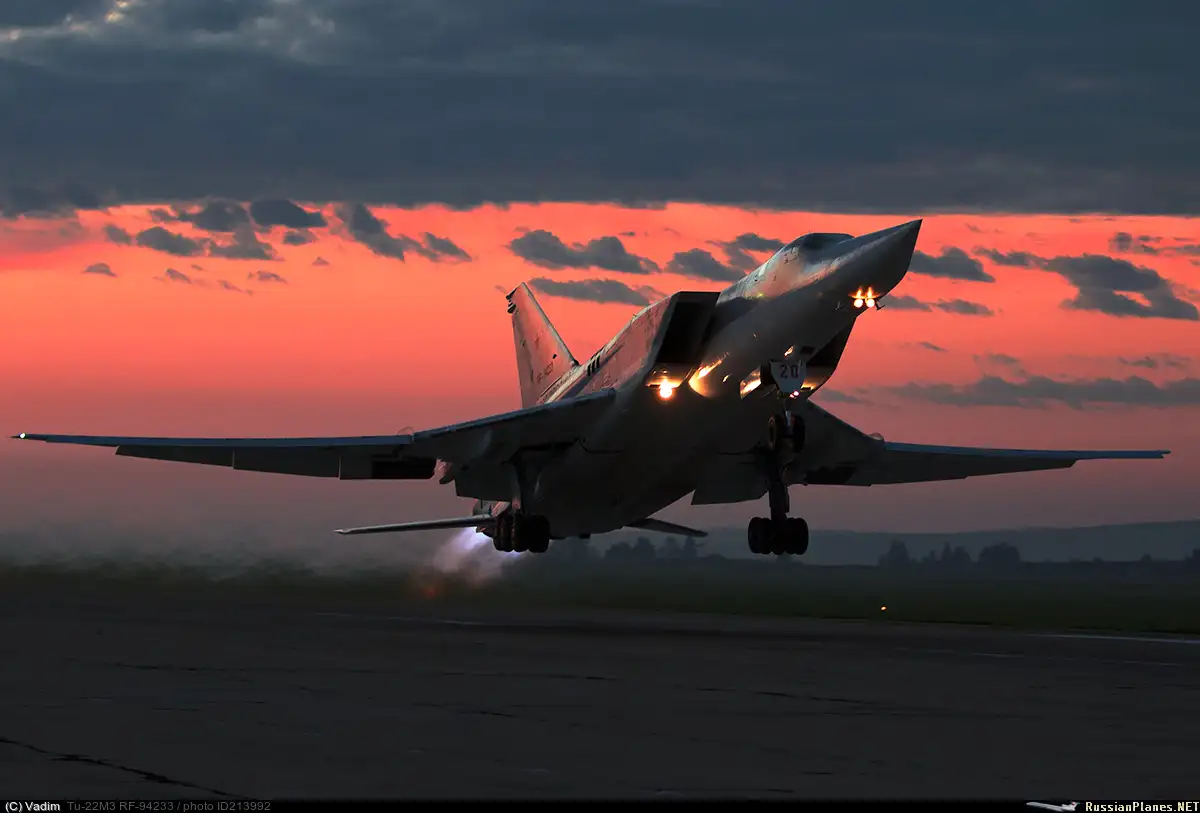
[(521, 532), (780, 533)]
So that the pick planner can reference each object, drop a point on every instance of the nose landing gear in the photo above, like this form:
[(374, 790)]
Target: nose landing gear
[(779, 533)]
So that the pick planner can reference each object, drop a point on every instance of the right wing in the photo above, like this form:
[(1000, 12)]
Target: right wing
[(836, 453), (378, 457)]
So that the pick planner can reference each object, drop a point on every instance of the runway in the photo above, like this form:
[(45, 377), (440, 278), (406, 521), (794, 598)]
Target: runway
[(108, 695)]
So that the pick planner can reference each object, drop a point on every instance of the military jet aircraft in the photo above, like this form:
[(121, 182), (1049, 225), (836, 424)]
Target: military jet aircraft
[(701, 393)]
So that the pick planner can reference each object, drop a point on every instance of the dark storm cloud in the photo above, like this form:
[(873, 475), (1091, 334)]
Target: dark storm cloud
[(999, 358), (722, 101), (22, 13), (364, 227), (838, 397), (298, 238), (1125, 243), (100, 269), (266, 276), (1105, 284), (172, 275), (284, 213), (957, 306), (738, 250), (216, 216), (597, 290), (953, 263), (964, 308), (443, 247), (1015, 259), (158, 238), (699, 264), (245, 246), (1156, 361), (62, 201), (902, 302), (226, 285), (546, 249), (118, 235), (1037, 391)]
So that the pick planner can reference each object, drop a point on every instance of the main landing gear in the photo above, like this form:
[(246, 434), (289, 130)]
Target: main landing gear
[(521, 532), (780, 533)]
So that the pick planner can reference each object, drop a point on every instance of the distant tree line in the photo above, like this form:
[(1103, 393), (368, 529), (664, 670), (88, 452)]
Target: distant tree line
[(641, 550), (1001, 556), (951, 558)]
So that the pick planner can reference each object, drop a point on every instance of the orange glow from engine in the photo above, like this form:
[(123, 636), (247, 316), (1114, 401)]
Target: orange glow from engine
[(665, 391)]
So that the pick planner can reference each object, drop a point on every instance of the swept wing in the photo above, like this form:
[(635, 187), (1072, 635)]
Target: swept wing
[(836, 453), (380, 457)]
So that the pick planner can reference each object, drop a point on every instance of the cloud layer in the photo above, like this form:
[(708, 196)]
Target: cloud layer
[(870, 106)]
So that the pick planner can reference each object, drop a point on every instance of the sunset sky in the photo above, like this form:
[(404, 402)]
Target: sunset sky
[(136, 321), (277, 222)]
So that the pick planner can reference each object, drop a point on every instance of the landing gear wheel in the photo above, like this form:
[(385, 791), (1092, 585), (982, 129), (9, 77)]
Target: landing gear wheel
[(520, 533), (758, 534), (538, 534), (787, 536), (503, 540), (797, 536)]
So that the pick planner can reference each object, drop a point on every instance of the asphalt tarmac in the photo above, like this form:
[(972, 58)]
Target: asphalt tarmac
[(198, 696)]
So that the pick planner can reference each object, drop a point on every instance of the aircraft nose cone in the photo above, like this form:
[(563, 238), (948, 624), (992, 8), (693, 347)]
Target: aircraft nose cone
[(879, 260)]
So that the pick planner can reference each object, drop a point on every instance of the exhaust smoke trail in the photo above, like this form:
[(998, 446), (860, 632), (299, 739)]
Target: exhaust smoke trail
[(469, 555)]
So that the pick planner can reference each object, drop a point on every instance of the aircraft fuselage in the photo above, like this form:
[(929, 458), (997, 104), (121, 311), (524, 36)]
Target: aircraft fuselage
[(643, 453)]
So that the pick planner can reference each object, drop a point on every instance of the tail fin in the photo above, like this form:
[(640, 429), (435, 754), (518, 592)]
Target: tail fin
[(542, 356)]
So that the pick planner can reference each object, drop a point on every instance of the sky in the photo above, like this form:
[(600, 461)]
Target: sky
[(265, 218)]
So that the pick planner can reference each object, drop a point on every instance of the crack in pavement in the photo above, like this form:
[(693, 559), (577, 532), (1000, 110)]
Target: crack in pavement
[(150, 776)]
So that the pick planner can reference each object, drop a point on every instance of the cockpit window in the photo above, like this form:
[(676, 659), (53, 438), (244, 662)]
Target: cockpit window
[(817, 241)]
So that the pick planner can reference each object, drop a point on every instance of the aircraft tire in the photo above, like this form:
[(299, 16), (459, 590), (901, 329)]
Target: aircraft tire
[(503, 541), (538, 534), (520, 533), (758, 535), (780, 537), (797, 536)]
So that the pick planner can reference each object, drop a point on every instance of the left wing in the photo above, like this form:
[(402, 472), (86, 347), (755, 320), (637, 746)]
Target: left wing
[(373, 457), (836, 453)]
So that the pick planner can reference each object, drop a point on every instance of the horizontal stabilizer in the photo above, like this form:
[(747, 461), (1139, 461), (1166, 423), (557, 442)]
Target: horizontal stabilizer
[(422, 525), (662, 526)]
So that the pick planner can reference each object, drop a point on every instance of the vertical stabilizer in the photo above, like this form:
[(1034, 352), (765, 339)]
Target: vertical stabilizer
[(542, 356)]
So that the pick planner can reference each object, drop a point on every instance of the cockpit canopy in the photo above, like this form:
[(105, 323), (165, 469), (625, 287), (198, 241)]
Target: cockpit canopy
[(815, 241)]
